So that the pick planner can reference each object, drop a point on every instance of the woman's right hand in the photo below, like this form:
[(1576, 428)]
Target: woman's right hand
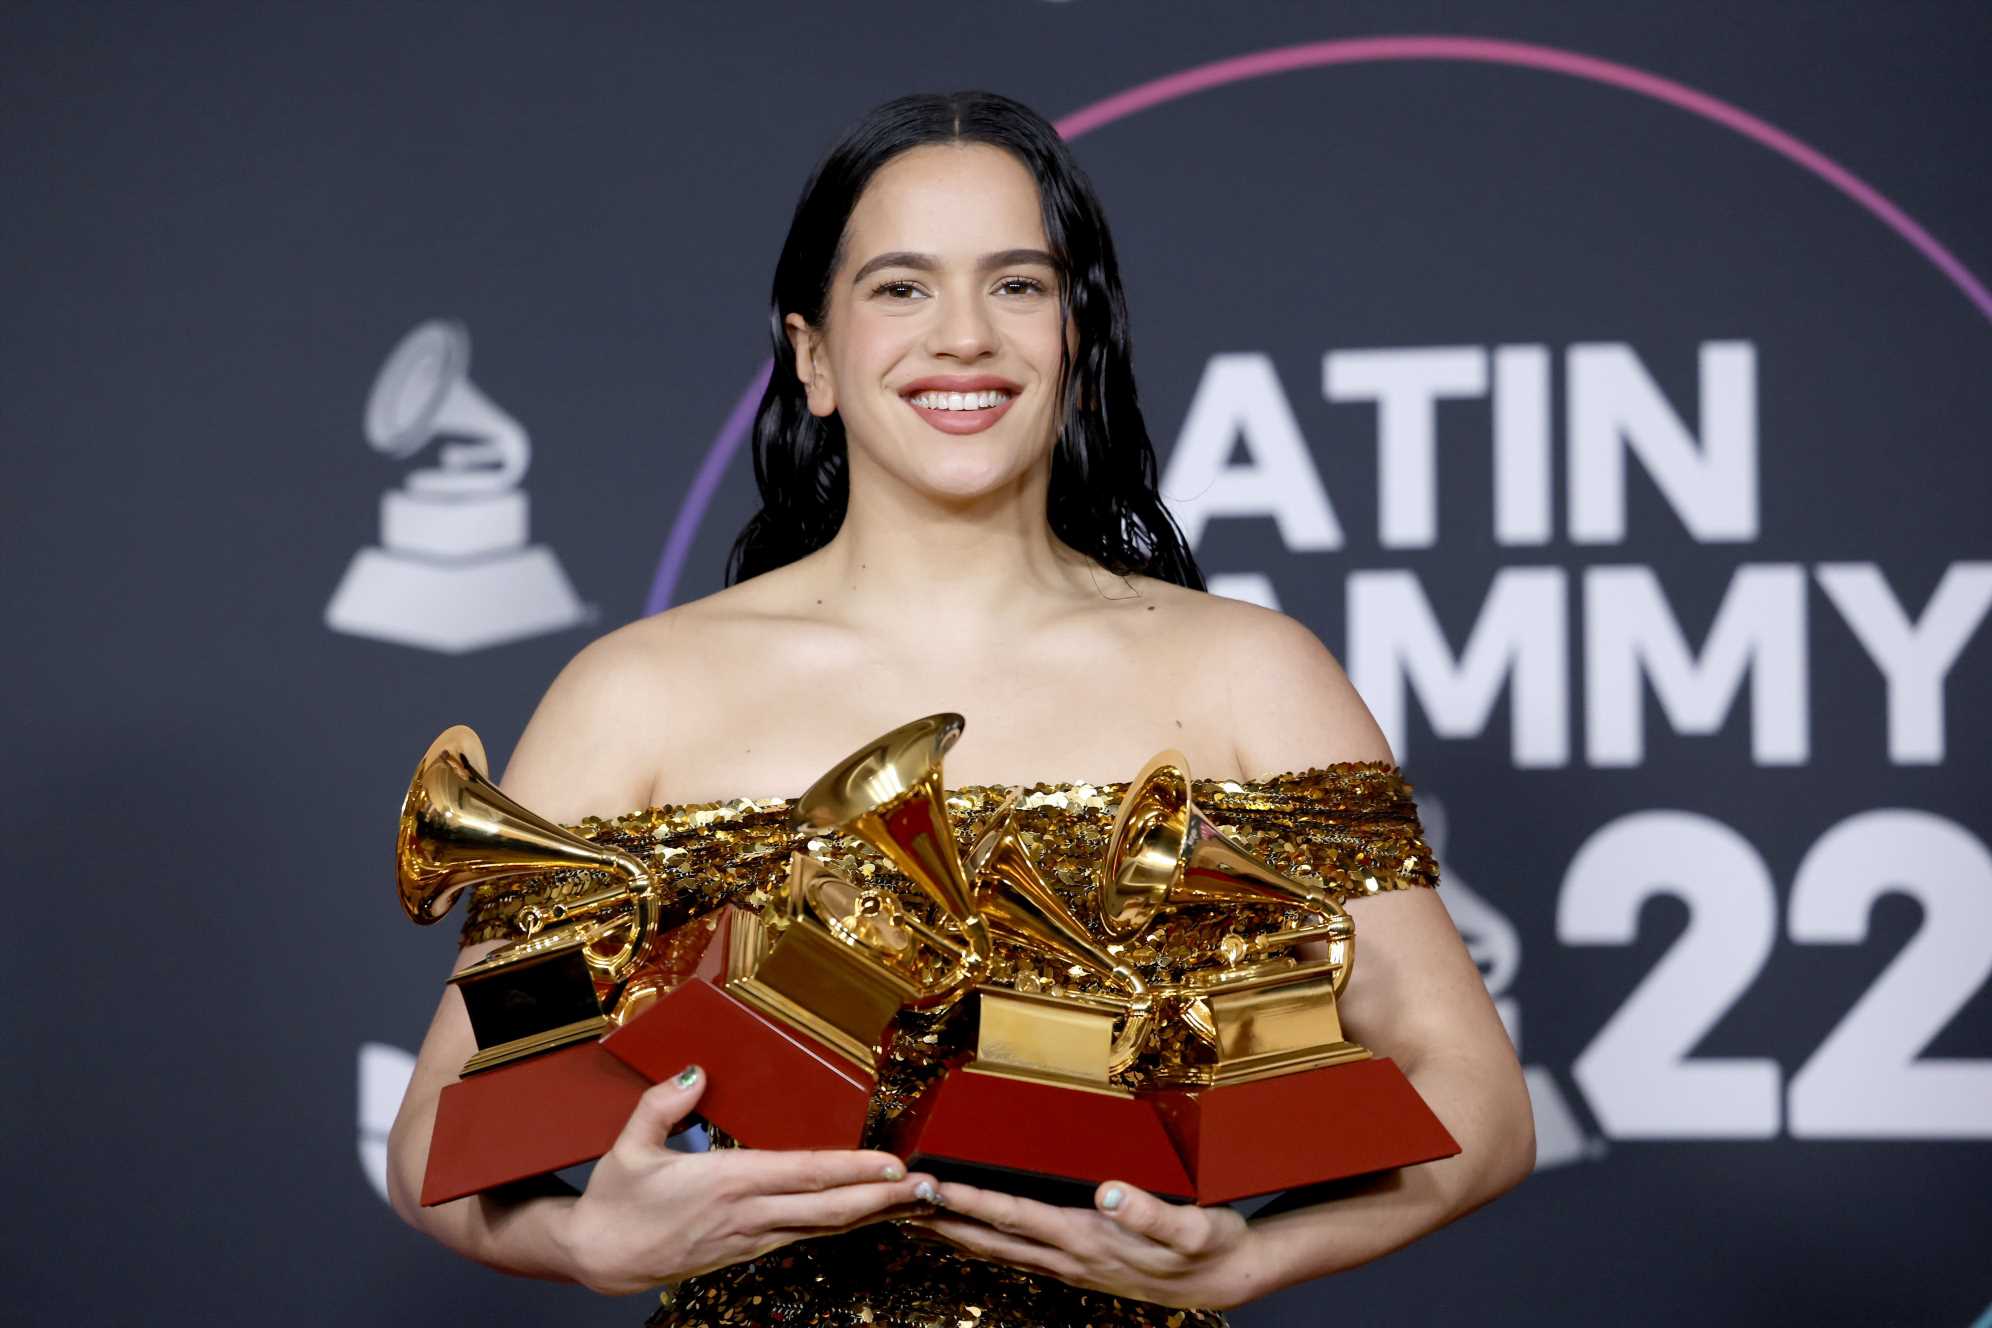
[(651, 1214)]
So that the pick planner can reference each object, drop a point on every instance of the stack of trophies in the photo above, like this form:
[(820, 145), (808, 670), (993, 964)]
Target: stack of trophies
[(1231, 1078)]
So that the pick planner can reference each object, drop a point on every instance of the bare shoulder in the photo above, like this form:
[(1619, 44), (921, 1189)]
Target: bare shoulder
[(641, 659), (596, 739), (578, 756), (1219, 618), (635, 705), (1291, 705)]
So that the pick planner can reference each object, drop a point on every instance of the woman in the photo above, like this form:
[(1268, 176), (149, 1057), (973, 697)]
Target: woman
[(960, 514)]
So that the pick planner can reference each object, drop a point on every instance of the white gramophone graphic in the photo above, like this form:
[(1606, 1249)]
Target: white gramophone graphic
[(453, 571)]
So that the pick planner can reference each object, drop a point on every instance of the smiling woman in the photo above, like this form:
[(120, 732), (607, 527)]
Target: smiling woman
[(959, 513), (968, 234)]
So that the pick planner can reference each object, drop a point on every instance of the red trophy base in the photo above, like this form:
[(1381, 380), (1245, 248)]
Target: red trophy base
[(1241, 1140), (566, 1107), (766, 1084), (556, 1110), (1037, 1140)]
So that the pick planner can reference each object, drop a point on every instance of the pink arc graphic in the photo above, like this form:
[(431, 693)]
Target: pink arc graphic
[(1364, 50)]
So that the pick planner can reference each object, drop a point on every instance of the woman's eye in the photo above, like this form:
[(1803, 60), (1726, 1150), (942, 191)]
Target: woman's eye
[(893, 289), (1021, 286)]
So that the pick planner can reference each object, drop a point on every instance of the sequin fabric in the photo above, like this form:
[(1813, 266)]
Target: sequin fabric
[(900, 1277), (1352, 828)]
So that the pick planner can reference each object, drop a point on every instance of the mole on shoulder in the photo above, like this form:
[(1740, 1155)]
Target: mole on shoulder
[(1151, 608)]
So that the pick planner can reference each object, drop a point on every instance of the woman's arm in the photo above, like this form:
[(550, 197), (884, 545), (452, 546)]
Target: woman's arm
[(517, 1229)]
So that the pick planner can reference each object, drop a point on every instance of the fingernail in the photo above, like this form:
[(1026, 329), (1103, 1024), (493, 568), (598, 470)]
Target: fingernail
[(926, 1193), (1112, 1198), (893, 1171), (687, 1076)]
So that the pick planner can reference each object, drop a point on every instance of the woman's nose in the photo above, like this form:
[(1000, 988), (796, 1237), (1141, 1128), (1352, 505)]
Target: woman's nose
[(964, 328)]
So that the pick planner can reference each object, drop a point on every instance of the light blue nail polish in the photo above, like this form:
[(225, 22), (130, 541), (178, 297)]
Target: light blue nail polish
[(1112, 1198), (924, 1192)]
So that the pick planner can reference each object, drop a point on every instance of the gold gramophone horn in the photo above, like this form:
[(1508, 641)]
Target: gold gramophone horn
[(1164, 853), (1023, 905), (889, 794), (458, 829)]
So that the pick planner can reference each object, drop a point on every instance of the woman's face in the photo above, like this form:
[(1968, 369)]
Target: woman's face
[(941, 342)]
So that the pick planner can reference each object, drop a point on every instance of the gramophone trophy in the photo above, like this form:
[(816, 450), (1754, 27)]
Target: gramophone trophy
[(559, 984), (1270, 1094), (792, 1040), (539, 1094), (1033, 1108)]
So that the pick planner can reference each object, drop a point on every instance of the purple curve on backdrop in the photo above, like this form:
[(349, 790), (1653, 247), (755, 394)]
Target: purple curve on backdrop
[(1364, 50), (692, 508)]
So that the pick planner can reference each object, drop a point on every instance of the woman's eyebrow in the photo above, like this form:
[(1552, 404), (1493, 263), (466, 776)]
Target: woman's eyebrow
[(929, 263)]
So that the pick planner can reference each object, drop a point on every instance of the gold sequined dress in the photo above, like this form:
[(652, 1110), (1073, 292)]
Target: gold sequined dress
[(1352, 827)]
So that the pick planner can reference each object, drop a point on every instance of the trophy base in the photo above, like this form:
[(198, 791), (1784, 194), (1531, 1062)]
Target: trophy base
[(566, 1106), (1037, 1140), (766, 1084), (527, 1119), (1280, 1133)]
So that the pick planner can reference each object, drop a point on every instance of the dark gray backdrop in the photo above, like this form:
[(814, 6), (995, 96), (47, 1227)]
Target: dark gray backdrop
[(222, 218)]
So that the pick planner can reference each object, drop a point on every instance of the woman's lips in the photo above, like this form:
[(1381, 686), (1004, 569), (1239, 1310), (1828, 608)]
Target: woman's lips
[(962, 421)]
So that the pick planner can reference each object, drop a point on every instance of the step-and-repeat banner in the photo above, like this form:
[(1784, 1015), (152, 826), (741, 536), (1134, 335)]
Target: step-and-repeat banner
[(1610, 392)]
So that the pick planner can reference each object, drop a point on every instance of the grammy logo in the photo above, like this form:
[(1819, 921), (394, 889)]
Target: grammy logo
[(453, 571)]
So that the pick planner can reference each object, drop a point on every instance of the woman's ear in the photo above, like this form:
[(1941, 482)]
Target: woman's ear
[(812, 366)]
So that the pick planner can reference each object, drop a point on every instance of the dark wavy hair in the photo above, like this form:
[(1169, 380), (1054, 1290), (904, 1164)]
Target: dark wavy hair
[(1102, 499)]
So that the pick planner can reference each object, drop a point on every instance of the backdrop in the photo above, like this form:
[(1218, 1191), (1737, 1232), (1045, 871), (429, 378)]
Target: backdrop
[(1608, 386)]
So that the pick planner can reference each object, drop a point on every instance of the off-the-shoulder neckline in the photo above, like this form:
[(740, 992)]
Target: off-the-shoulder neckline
[(1262, 781)]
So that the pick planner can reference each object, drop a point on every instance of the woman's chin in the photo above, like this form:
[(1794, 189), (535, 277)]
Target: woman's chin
[(963, 479)]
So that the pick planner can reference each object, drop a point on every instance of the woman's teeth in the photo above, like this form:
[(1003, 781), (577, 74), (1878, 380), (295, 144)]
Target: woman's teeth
[(959, 400)]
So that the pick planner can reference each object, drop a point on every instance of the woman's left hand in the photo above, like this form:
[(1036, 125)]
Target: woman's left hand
[(1130, 1243)]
